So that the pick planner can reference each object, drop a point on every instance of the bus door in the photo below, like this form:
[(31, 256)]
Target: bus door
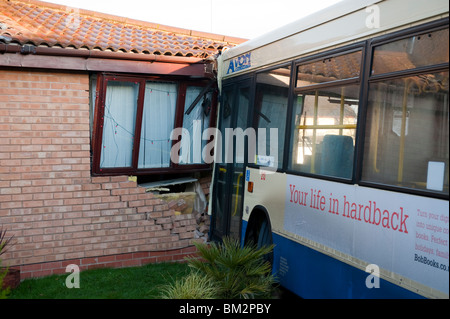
[(229, 178)]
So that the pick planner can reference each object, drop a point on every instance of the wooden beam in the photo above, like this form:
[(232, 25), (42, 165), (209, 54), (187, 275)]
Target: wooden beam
[(198, 70)]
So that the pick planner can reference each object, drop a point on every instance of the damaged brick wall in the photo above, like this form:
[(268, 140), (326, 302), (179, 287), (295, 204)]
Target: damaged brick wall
[(57, 212)]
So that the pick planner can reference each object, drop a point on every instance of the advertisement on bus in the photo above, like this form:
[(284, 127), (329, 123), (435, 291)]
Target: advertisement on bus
[(403, 234)]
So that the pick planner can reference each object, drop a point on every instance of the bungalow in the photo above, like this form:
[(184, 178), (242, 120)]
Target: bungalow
[(88, 102)]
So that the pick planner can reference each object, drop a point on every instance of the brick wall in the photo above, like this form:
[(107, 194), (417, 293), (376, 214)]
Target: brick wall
[(57, 212)]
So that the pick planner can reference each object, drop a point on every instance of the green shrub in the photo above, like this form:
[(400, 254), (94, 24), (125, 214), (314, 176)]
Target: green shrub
[(4, 293), (237, 272), (5, 242), (4, 245), (193, 286)]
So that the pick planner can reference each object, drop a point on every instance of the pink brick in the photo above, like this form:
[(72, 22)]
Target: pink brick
[(120, 191), (110, 185), (105, 259), (141, 255), (124, 256), (128, 184), (100, 179), (52, 265), (119, 178)]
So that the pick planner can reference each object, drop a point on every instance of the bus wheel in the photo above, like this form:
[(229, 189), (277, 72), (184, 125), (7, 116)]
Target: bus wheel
[(259, 233)]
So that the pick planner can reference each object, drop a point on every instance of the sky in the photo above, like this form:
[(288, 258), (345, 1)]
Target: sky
[(238, 18)]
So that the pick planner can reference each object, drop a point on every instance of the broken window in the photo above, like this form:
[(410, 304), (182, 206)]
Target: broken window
[(134, 122), (195, 120)]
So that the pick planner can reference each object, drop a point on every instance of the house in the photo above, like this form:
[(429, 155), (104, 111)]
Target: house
[(88, 102)]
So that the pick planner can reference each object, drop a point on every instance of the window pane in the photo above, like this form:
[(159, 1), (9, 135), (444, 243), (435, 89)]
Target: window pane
[(407, 132), (195, 123), (157, 124), (118, 124), (410, 53), (92, 99), (341, 67), (272, 93), (241, 110), (223, 154), (324, 130)]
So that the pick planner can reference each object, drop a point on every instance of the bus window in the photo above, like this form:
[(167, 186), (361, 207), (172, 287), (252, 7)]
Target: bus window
[(272, 90), (330, 69), (410, 53), (325, 115), (407, 131), (325, 131), (407, 124)]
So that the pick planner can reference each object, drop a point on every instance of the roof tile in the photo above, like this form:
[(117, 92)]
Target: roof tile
[(41, 23)]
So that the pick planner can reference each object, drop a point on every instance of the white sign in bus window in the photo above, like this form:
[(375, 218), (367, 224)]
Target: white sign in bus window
[(435, 176)]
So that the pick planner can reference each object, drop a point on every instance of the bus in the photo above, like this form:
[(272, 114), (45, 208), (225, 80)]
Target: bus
[(343, 117)]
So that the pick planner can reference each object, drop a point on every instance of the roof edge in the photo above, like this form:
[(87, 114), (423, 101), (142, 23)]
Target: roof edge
[(125, 20), (28, 49)]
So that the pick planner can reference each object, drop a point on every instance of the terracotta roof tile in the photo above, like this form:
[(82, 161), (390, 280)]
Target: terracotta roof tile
[(46, 24)]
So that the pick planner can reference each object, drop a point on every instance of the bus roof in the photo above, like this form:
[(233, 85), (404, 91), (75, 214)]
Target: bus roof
[(345, 22), (327, 14)]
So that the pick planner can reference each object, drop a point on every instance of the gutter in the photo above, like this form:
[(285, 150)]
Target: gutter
[(83, 53), (31, 56)]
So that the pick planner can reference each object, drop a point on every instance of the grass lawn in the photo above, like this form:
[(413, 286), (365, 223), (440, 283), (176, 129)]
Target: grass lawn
[(105, 283)]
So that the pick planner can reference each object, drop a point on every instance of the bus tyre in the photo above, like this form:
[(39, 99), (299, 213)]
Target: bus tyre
[(259, 233)]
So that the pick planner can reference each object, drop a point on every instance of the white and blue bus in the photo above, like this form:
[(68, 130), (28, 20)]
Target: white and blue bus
[(344, 119)]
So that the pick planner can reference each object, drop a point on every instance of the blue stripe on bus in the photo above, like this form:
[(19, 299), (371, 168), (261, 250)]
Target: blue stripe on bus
[(311, 274), (243, 231)]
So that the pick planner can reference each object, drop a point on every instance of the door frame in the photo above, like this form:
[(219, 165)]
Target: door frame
[(235, 84)]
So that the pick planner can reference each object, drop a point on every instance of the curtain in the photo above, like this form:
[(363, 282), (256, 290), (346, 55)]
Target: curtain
[(119, 124), (157, 124)]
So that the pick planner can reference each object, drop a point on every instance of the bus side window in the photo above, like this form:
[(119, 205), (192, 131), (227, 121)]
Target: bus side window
[(407, 127), (324, 131), (272, 91), (325, 115)]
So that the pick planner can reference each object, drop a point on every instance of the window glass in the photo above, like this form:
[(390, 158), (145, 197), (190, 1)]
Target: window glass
[(407, 133), (241, 110), (158, 121), (410, 53), (119, 124), (92, 99), (272, 91), (194, 124), (324, 131), (342, 67), (136, 119), (225, 148)]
